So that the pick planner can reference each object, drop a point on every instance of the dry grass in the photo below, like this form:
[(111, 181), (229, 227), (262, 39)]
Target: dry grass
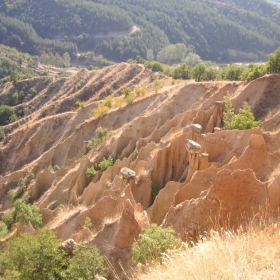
[(251, 254)]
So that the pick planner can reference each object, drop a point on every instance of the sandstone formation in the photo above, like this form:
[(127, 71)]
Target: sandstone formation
[(174, 164)]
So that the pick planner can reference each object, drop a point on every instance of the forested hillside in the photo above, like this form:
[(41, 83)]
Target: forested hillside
[(219, 30)]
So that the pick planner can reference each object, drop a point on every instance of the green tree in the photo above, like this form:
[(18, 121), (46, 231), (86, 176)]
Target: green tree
[(228, 116), (152, 243), (150, 55), (34, 257), (192, 59), (246, 119), (27, 213), (254, 71), (66, 59), (91, 172), (105, 163), (86, 263), (273, 65), (9, 219), (3, 229), (5, 113), (199, 71)]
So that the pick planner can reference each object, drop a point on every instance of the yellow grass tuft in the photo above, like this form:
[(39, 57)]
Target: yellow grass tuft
[(250, 254)]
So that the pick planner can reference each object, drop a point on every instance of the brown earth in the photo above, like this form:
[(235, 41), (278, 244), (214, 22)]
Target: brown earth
[(173, 186)]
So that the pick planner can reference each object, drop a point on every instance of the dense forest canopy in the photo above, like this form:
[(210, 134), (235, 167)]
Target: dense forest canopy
[(225, 30)]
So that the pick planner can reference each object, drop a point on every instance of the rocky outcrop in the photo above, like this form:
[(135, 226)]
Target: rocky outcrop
[(233, 199), (173, 163)]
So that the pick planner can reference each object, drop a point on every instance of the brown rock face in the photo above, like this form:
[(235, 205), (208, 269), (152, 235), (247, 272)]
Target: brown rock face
[(233, 199), (129, 228)]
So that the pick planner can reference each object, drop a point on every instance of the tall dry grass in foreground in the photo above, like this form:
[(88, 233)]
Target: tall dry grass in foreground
[(250, 254)]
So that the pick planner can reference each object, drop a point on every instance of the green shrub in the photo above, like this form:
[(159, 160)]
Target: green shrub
[(91, 172), (126, 91), (273, 64), (108, 102), (136, 153), (9, 219), (27, 213), (88, 223), (105, 163), (118, 101), (100, 111), (3, 230), (228, 116), (31, 175), (152, 243), (101, 135), (245, 120), (13, 118), (141, 91), (21, 187), (47, 81), (80, 103), (111, 90), (2, 133), (39, 257), (33, 91), (53, 168), (157, 85), (5, 113), (242, 121), (15, 98), (129, 99), (86, 263)]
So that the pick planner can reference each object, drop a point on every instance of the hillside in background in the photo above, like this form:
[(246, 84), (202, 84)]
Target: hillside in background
[(219, 31)]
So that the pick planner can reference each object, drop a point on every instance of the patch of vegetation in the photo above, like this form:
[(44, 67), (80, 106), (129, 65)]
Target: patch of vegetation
[(108, 102), (91, 172), (86, 263), (152, 243), (34, 256), (2, 133), (244, 120), (111, 90), (101, 135), (157, 85), (129, 99), (141, 91), (80, 104), (53, 168), (228, 116), (48, 81), (32, 91), (105, 163), (26, 213), (3, 230), (118, 101), (156, 187), (100, 111), (6, 112), (136, 153), (88, 223), (21, 187), (126, 91), (8, 219), (273, 64)]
